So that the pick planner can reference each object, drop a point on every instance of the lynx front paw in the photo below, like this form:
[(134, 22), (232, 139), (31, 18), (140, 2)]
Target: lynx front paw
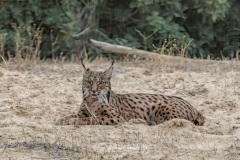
[(61, 121), (73, 121)]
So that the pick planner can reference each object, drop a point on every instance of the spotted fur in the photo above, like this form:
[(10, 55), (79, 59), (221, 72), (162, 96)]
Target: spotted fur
[(102, 106)]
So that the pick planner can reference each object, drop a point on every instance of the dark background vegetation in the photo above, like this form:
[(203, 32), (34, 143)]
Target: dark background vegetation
[(55, 28)]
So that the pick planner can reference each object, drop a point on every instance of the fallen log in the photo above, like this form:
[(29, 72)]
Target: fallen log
[(174, 61)]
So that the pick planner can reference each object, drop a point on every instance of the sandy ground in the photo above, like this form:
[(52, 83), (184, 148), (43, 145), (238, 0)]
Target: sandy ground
[(31, 101)]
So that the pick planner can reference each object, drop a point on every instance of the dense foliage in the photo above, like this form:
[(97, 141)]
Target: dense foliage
[(52, 28)]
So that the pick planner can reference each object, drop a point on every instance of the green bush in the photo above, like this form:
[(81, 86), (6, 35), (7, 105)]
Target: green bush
[(64, 26)]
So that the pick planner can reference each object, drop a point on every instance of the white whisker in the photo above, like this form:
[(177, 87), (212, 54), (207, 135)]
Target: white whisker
[(103, 99)]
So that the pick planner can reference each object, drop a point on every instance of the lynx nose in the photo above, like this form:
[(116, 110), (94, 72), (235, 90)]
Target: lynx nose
[(94, 92)]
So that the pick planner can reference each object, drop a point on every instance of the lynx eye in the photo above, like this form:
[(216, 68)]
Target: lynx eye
[(87, 82), (102, 82)]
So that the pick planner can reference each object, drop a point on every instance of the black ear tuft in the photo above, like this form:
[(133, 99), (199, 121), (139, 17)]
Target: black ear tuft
[(82, 63), (113, 62), (108, 72)]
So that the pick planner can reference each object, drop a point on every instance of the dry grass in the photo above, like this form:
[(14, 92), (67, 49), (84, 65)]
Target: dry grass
[(31, 101)]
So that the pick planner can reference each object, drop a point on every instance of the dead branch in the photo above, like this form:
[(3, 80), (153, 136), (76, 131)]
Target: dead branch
[(179, 62)]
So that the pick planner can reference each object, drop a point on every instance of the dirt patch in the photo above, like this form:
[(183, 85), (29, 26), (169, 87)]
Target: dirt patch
[(32, 100)]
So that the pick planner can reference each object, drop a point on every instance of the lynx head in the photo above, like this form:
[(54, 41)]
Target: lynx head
[(97, 84)]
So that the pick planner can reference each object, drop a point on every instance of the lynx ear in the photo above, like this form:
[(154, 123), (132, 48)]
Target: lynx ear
[(85, 69), (108, 72)]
